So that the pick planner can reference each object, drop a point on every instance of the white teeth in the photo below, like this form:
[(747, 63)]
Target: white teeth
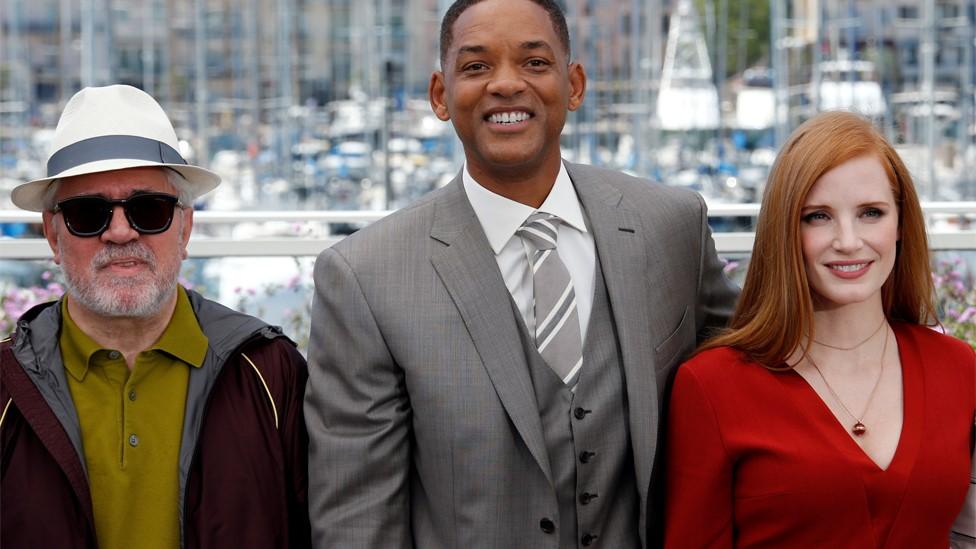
[(849, 268), (508, 117)]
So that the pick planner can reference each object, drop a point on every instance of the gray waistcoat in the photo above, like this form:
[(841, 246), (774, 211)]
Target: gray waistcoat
[(587, 437)]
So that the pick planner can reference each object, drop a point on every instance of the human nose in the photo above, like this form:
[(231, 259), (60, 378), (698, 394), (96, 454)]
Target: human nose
[(846, 236), (119, 229), (506, 82)]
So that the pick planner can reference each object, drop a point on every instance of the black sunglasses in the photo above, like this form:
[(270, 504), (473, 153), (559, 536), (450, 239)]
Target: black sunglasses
[(148, 213)]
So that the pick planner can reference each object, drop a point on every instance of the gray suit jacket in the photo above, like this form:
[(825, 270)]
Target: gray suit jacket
[(422, 419)]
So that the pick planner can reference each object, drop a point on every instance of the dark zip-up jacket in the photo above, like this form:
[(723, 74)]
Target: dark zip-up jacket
[(243, 457)]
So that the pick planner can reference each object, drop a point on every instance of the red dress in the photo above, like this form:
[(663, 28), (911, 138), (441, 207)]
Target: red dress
[(756, 459)]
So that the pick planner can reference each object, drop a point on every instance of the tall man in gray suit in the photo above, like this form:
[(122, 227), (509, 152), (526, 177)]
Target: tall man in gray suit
[(488, 366)]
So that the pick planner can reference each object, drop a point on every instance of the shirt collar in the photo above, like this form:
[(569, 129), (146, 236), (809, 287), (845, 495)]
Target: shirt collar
[(500, 217), (77, 347), (183, 339)]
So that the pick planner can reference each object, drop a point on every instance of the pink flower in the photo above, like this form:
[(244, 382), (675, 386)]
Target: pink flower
[(969, 313)]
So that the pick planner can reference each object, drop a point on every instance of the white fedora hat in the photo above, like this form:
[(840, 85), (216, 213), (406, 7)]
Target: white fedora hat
[(112, 128)]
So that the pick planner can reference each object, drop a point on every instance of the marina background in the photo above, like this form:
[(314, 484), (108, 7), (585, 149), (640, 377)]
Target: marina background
[(320, 105)]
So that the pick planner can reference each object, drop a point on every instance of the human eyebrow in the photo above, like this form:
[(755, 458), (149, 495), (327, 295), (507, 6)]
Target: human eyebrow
[(137, 192), (535, 45), (811, 207), (475, 49), (877, 204)]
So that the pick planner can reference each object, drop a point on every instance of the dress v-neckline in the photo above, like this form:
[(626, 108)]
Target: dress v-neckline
[(911, 395)]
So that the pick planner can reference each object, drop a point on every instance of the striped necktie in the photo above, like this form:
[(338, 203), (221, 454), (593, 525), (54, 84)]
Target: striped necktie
[(557, 329)]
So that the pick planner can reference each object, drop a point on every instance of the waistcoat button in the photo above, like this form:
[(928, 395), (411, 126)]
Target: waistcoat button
[(585, 456), (588, 539), (587, 497)]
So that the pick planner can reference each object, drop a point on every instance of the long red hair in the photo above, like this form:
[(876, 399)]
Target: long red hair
[(774, 314)]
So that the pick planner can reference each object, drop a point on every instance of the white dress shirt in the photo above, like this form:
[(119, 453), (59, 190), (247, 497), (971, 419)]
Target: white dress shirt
[(500, 217)]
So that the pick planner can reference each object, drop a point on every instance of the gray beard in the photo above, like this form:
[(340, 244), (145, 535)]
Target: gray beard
[(120, 297)]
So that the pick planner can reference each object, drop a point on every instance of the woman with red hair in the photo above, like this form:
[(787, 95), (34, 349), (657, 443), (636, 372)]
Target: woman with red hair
[(829, 414)]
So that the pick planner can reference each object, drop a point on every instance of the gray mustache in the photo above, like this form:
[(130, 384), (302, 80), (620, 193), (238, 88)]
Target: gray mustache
[(113, 252)]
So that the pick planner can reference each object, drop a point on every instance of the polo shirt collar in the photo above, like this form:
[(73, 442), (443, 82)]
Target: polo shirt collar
[(500, 217), (183, 339), (77, 347)]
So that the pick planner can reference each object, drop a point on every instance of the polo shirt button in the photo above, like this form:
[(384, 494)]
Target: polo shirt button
[(588, 539), (114, 355), (547, 526), (133, 440), (132, 394)]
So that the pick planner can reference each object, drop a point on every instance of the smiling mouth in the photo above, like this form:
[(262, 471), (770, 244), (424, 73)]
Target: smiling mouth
[(512, 117), (849, 268)]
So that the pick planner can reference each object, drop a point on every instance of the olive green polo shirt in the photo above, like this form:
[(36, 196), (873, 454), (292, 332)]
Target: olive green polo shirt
[(131, 427)]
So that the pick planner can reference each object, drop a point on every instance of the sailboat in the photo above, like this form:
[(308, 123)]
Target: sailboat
[(688, 99)]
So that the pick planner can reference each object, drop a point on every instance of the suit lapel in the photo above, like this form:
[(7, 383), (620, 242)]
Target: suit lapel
[(467, 267), (622, 252)]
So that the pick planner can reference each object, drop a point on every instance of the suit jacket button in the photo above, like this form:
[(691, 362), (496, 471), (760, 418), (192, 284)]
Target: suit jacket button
[(585, 456), (587, 497), (580, 413), (547, 526), (588, 539)]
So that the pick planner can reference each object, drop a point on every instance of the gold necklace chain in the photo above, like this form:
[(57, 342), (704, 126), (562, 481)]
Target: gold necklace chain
[(858, 428), (876, 330)]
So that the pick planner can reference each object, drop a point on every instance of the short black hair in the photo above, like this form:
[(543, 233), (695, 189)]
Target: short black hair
[(555, 12)]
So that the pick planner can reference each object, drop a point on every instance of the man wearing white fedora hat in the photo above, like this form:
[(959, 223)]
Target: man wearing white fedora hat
[(136, 413)]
